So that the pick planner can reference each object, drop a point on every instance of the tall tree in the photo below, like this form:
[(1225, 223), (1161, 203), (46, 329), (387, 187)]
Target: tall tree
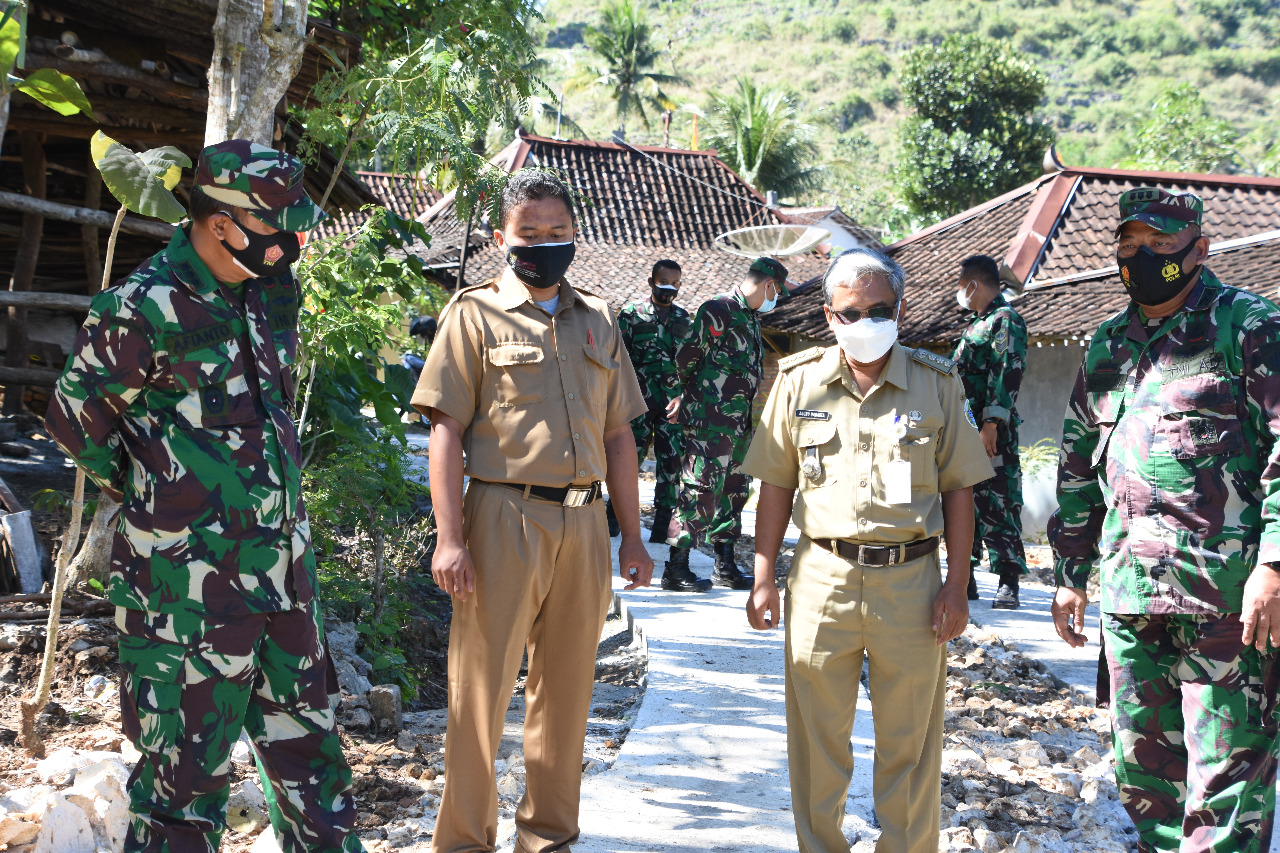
[(974, 133), (1181, 135), (257, 50), (623, 43), (756, 131)]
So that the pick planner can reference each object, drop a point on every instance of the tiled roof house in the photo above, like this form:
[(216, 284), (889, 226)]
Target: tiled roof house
[(1054, 238), (406, 195), (640, 203)]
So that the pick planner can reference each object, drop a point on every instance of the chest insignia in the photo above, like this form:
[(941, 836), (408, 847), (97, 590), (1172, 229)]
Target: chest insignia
[(1001, 341)]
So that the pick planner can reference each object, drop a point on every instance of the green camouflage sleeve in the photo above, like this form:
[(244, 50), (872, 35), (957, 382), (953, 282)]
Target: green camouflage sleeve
[(625, 318), (1261, 351), (691, 353), (1076, 527), (1009, 356), (108, 368)]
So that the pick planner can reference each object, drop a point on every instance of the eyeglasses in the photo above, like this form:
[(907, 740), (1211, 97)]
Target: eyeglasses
[(849, 316)]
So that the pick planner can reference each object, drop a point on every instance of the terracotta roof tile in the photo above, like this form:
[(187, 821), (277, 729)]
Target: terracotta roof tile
[(405, 195)]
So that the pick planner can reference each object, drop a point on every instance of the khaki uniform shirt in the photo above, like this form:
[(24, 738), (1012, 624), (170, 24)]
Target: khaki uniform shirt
[(534, 392), (915, 412)]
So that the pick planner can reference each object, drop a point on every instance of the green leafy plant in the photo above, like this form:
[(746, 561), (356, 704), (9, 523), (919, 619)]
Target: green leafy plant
[(1181, 136), (1038, 458), (55, 90)]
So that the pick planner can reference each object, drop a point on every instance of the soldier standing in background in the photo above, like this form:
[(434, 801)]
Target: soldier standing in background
[(1168, 487), (177, 401), (990, 357), (653, 331), (720, 366)]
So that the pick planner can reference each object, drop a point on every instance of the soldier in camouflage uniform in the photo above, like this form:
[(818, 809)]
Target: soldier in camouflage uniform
[(1167, 486), (720, 368), (990, 356), (653, 331), (177, 402)]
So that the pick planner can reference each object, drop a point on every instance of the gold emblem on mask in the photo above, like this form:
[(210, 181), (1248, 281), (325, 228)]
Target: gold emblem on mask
[(1170, 271)]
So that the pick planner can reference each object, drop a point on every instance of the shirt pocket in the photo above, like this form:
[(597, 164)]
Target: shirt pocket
[(598, 369), (817, 444), (519, 378), (920, 447), (216, 393), (1198, 418)]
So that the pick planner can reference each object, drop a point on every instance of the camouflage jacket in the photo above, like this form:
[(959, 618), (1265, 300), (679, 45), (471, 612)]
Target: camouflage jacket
[(721, 365), (652, 342), (165, 408), (990, 356), (1167, 480)]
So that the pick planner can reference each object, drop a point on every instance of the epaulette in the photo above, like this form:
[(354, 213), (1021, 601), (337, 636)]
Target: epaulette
[(798, 358), (942, 364)]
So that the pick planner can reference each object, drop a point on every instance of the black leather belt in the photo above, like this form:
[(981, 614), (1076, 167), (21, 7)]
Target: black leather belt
[(568, 496), (879, 555)]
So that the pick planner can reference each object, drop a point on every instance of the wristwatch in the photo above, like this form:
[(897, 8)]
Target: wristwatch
[(992, 421)]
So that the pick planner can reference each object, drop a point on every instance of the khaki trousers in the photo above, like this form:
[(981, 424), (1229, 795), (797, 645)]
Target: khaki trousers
[(542, 579), (835, 612)]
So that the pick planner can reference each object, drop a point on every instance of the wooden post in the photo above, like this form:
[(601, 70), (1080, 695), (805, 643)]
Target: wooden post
[(24, 266), (89, 233)]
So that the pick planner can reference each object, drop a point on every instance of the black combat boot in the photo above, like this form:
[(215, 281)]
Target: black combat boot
[(1007, 595), (676, 575), (973, 586), (726, 572), (661, 521), (612, 518)]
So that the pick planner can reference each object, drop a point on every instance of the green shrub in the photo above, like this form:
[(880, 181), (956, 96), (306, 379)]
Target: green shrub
[(850, 110), (1111, 70), (868, 63), (886, 93), (839, 29)]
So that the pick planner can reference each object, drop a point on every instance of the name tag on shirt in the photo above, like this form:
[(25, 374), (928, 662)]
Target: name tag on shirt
[(812, 415), (897, 481)]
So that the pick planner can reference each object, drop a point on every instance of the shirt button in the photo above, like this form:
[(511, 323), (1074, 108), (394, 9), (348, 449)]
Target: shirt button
[(571, 395), (564, 358), (862, 483), (576, 436), (866, 447), (582, 473), (863, 522)]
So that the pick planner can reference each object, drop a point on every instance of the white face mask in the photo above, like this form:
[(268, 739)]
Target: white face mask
[(964, 296), (769, 304), (866, 340)]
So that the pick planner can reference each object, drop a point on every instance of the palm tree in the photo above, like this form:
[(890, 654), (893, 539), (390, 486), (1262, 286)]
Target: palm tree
[(623, 43), (757, 133)]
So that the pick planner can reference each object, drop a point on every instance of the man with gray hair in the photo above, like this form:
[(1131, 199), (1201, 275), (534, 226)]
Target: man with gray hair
[(881, 445)]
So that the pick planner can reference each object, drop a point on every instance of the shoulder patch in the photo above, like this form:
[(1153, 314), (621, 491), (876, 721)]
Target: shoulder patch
[(931, 359), (803, 357)]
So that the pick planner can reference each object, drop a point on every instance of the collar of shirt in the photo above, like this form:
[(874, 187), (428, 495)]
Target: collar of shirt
[(736, 296), (1201, 298), (191, 270), (998, 301), (512, 294), (835, 369)]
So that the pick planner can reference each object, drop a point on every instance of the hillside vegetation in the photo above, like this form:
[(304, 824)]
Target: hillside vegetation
[(1106, 62)]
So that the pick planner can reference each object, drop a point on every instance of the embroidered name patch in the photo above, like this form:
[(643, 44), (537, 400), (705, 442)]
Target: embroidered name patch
[(812, 415)]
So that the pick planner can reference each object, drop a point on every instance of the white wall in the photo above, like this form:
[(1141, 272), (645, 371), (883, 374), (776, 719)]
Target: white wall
[(1042, 402)]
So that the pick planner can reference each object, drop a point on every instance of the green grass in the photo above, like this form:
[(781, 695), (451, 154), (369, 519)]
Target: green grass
[(1104, 62)]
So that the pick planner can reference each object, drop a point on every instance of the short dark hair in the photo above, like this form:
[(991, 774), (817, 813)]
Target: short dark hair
[(983, 268), (531, 185), (203, 206), (664, 264)]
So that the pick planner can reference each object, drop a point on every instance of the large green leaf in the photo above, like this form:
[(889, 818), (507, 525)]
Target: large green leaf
[(56, 91), (10, 34), (141, 182)]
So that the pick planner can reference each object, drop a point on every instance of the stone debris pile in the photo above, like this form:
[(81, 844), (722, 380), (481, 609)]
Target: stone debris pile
[(1027, 764)]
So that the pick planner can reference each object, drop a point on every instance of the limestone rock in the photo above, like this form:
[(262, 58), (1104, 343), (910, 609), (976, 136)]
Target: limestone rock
[(247, 808), (386, 707)]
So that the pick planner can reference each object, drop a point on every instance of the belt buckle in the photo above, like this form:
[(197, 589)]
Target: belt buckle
[(578, 496), (862, 555)]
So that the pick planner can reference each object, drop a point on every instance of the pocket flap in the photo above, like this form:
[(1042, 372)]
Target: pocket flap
[(506, 355), (814, 433), (600, 357), (154, 660)]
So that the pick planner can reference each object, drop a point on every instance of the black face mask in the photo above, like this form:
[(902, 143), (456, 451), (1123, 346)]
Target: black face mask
[(662, 296), (1154, 279), (541, 266), (265, 254)]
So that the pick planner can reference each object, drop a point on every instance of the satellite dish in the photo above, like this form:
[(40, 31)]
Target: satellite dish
[(777, 241)]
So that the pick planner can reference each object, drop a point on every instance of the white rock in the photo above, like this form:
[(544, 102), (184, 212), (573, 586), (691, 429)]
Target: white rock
[(987, 841), (64, 828), (266, 842), (101, 792), (61, 766), (386, 706), (242, 752), (128, 754), (18, 829), (399, 836), (1030, 754), (247, 808), (962, 760), (94, 686), (509, 786)]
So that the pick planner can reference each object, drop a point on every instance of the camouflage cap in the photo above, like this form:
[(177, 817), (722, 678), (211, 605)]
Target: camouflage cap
[(1162, 209), (262, 180), (769, 266)]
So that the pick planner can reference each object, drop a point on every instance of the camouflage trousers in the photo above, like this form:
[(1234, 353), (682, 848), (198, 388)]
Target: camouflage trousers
[(1194, 715), (997, 509), (713, 489), (188, 689), (652, 430)]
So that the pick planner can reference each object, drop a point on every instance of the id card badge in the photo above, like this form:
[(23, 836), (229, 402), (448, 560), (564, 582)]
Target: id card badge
[(897, 481)]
